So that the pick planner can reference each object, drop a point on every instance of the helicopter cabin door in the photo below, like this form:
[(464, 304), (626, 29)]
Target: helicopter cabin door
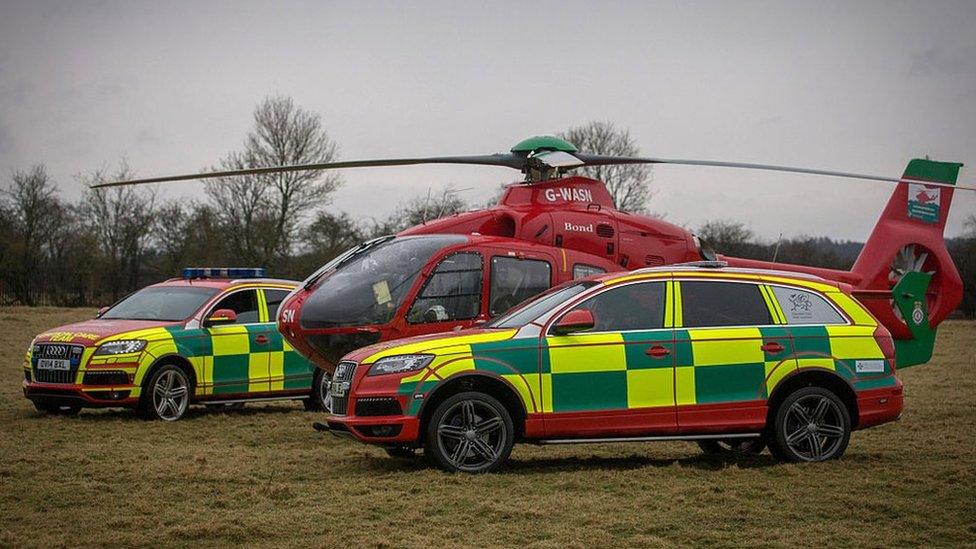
[(450, 297), (590, 231)]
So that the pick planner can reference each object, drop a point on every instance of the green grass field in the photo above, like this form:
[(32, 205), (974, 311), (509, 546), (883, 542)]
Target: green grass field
[(262, 476)]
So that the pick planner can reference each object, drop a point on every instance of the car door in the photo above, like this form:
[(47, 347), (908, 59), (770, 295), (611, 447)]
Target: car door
[(617, 378), (728, 342), (287, 369), (823, 338), (241, 348)]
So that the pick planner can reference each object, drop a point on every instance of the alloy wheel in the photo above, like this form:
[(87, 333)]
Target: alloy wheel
[(325, 389), (472, 435), (814, 428), (171, 395)]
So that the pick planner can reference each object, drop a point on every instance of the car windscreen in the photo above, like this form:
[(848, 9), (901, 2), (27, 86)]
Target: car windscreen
[(539, 305), (369, 287), (163, 303)]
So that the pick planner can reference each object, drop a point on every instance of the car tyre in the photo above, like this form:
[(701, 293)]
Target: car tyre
[(469, 432), (732, 446), (320, 399), (166, 396), (811, 424)]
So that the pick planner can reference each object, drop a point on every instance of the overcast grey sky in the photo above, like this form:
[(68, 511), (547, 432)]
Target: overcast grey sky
[(858, 86)]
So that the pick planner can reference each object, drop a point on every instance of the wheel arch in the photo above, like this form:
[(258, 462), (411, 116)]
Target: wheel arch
[(171, 359), (479, 381), (814, 377)]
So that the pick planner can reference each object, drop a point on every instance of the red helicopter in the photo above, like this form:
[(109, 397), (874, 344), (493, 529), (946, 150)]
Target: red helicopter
[(459, 271)]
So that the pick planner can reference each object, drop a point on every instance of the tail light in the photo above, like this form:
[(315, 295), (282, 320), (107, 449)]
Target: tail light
[(887, 344)]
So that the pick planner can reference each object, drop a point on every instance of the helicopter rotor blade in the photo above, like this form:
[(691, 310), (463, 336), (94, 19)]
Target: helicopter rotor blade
[(557, 160), (602, 160), (507, 160)]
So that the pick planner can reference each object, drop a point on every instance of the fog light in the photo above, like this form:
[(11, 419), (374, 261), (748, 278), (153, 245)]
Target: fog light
[(380, 430), (109, 395)]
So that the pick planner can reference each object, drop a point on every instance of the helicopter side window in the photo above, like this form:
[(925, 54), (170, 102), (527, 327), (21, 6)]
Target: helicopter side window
[(453, 291), (582, 270), (514, 280)]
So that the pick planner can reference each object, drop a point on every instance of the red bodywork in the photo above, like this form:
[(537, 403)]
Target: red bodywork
[(573, 220)]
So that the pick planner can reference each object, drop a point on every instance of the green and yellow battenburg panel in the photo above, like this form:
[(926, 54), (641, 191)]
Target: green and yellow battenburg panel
[(611, 371), (225, 359), (225, 362)]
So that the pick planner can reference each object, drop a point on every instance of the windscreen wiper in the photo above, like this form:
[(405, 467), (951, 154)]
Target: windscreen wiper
[(346, 257)]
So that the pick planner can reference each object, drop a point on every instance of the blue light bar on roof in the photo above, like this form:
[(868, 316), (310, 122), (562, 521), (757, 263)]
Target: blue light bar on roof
[(224, 272)]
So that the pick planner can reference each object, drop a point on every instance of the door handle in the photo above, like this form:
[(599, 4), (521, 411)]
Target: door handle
[(261, 339), (772, 347), (657, 352)]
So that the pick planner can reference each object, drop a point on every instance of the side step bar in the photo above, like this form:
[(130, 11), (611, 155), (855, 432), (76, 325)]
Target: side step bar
[(261, 399), (643, 439)]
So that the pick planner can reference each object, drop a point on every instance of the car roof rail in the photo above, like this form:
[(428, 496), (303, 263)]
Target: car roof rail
[(703, 264)]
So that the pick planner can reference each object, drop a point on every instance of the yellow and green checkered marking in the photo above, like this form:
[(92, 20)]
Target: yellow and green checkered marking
[(225, 359), (611, 371)]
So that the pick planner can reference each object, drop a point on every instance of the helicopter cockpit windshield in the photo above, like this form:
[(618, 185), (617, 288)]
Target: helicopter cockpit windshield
[(367, 287)]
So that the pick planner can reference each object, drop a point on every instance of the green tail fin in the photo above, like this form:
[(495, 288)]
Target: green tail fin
[(909, 296)]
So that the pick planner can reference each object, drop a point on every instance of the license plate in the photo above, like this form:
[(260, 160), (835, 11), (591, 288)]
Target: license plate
[(53, 364), (339, 388)]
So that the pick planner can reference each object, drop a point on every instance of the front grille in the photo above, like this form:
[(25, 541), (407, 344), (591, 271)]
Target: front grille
[(106, 378), (56, 351), (343, 374), (378, 406)]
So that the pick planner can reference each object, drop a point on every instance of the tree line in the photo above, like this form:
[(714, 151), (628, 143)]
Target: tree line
[(112, 241)]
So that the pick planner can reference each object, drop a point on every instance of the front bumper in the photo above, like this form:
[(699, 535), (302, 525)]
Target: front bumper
[(381, 430), (87, 396)]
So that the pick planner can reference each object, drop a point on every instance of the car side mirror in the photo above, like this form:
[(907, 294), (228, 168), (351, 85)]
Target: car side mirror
[(579, 320), (102, 311), (221, 316)]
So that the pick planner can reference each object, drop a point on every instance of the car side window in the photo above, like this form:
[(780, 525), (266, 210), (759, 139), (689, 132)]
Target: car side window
[(274, 299), (582, 270), (514, 280), (453, 291), (244, 303), (803, 307), (631, 307), (715, 303)]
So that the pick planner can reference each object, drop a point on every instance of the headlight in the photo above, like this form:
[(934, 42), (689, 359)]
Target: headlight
[(121, 346), (399, 364)]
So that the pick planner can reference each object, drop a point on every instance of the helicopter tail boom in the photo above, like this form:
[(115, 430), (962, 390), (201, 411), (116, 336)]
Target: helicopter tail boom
[(908, 279), (904, 274)]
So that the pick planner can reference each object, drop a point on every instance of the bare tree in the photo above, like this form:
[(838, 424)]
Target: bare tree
[(122, 220), (262, 213), (727, 237), (331, 234), (628, 184), (421, 209), (33, 212), (963, 251)]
